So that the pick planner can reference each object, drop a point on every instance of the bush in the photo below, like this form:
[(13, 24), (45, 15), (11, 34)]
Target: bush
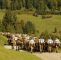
[(29, 27), (3, 40)]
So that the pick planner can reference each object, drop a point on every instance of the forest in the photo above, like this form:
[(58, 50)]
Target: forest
[(39, 6)]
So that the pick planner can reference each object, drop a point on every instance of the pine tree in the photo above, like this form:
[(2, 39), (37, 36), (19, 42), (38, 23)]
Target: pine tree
[(29, 27), (10, 23)]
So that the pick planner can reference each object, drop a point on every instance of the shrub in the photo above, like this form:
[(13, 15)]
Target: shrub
[(29, 27), (3, 40)]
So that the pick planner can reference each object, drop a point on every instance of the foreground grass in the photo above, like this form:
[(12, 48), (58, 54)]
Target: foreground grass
[(60, 50), (14, 55)]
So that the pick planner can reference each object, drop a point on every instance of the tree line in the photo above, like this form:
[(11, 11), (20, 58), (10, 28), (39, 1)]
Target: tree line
[(38, 5)]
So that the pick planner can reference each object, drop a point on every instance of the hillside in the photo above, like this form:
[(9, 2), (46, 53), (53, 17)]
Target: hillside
[(41, 24)]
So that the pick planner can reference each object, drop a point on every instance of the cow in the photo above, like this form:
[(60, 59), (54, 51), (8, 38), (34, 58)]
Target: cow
[(50, 44), (19, 44), (13, 41), (36, 39), (31, 44), (41, 44), (56, 44)]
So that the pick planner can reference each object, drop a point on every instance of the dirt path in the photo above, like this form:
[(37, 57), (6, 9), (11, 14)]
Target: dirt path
[(49, 56)]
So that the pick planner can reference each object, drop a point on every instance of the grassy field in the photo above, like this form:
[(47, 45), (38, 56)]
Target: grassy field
[(14, 55), (41, 24)]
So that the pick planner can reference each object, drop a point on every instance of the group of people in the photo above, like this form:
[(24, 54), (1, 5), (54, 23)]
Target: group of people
[(32, 43)]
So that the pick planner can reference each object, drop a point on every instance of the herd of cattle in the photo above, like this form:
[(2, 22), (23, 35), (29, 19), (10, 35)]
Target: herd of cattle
[(32, 43)]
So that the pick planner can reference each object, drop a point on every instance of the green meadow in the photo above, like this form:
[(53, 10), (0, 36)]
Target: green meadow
[(41, 25)]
